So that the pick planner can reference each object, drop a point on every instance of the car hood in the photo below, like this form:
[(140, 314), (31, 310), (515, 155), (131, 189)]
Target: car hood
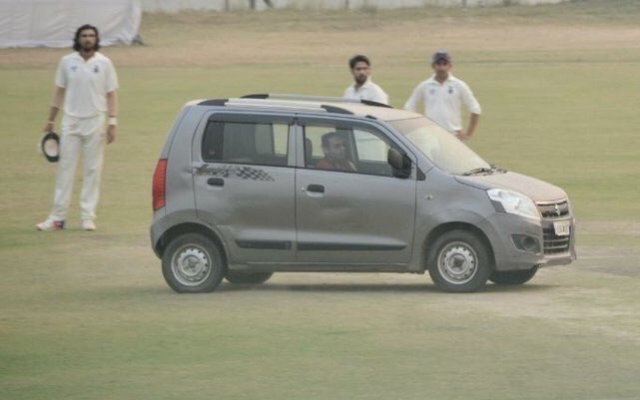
[(537, 190)]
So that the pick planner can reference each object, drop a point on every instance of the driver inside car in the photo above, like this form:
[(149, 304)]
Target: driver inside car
[(334, 146)]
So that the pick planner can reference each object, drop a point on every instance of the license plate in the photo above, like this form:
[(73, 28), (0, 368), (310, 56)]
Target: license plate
[(562, 228)]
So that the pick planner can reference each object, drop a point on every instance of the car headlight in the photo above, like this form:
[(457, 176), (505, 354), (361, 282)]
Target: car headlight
[(513, 203)]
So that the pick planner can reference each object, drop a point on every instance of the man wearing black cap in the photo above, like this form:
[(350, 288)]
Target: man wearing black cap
[(443, 96)]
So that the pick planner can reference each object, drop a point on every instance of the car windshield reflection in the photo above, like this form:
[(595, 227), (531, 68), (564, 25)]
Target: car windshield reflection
[(442, 148)]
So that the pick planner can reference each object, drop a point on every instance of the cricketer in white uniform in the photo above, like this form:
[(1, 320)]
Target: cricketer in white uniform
[(364, 88), (86, 82), (443, 96)]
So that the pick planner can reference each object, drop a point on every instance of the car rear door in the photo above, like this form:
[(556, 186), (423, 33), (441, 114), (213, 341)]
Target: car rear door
[(244, 184)]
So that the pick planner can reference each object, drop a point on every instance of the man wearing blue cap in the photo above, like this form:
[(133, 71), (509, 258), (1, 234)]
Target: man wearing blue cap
[(443, 96)]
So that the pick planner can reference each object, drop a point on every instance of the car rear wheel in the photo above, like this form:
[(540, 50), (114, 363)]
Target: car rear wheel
[(248, 278), (192, 263), (459, 262), (513, 277)]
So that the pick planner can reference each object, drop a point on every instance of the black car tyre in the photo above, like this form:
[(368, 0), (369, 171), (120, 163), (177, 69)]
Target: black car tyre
[(513, 277), (459, 262), (192, 263), (248, 278)]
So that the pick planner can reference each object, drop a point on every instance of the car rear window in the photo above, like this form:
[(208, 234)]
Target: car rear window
[(246, 143)]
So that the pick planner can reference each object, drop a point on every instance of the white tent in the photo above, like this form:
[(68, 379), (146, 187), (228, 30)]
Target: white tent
[(52, 23)]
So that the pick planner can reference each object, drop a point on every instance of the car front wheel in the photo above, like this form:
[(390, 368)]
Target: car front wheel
[(459, 262)]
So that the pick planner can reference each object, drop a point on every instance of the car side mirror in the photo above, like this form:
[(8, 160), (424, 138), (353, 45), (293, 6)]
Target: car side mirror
[(400, 163)]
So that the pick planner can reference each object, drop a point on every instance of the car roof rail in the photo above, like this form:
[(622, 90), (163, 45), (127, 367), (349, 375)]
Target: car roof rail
[(286, 96), (256, 96), (253, 102), (256, 101), (336, 110), (375, 104), (301, 97), (213, 102)]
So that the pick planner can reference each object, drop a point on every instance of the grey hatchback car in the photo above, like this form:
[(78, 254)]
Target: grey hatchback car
[(250, 186)]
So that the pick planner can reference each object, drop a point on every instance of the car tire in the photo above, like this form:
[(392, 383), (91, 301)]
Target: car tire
[(248, 278), (192, 263), (513, 277), (459, 262)]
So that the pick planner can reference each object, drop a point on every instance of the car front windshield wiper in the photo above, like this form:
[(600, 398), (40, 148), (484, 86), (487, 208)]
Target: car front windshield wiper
[(481, 170), (484, 170)]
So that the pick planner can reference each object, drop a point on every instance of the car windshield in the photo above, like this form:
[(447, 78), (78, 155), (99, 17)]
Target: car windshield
[(442, 148)]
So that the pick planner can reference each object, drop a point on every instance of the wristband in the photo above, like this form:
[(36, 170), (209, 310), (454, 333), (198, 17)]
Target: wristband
[(113, 121)]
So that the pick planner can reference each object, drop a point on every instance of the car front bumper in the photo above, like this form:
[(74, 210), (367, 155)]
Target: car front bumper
[(503, 230)]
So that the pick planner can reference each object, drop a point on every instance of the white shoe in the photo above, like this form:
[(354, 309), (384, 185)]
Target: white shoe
[(50, 225), (88, 225)]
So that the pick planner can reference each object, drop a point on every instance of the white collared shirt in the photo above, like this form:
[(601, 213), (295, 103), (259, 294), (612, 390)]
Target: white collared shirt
[(443, 102), (86, 84), (369, 91)]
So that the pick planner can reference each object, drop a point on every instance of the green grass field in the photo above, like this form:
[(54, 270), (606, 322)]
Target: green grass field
[(88, 315)]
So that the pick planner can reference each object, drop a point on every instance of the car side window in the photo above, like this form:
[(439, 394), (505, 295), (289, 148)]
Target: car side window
[(370, 147), (356, 148), (246, 143), (329, 147)]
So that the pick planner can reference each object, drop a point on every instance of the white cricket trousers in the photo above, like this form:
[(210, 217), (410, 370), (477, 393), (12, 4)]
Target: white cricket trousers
[(86, 135)]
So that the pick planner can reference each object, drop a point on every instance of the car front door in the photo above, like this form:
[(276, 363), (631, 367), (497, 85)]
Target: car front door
[(244, 184), (351, 210)]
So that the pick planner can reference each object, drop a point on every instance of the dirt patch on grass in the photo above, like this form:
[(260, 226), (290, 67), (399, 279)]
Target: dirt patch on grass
[(631, 228), (214, 39), (612, 260)]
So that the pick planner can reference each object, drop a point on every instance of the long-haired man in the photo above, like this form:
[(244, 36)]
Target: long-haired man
[(86, 90)]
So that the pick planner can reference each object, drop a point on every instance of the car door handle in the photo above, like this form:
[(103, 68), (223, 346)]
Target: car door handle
[(215, 182), (315, 188)]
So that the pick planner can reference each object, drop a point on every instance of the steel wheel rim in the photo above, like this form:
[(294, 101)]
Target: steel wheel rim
[(191, 265), (458, 263)]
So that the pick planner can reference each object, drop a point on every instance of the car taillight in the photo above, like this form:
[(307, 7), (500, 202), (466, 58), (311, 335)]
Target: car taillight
[(159, 184)]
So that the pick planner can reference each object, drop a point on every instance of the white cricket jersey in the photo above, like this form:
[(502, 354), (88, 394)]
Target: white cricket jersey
[(368, 91), (443, 102), (86, 84)]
